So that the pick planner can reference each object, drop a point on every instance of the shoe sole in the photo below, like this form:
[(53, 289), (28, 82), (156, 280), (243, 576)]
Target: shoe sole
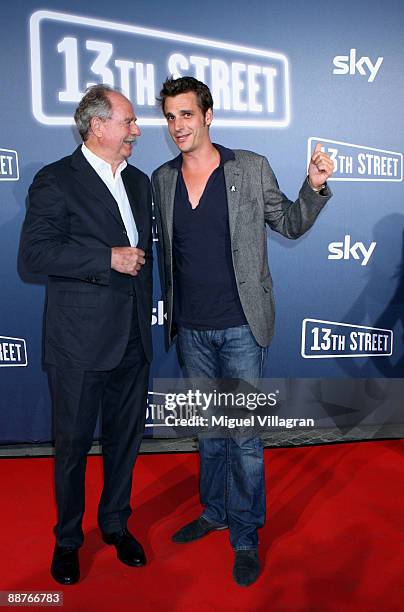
[(130, 563)]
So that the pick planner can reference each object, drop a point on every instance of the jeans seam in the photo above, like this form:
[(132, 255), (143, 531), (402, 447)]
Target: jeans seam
[(228, 479)]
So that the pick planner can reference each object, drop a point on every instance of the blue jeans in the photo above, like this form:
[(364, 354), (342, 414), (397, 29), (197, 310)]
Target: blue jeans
[(232, 484)]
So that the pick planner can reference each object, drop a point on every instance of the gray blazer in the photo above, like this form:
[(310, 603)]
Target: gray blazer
[(254, 198)]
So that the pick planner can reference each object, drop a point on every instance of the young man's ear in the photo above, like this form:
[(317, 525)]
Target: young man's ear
[(208, 117)]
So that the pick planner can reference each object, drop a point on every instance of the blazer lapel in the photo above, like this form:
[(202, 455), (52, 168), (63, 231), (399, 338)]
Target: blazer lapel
[(233, 175), (168, 196)]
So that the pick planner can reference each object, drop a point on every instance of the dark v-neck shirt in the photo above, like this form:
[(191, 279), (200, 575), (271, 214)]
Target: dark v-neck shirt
[(205, 289)]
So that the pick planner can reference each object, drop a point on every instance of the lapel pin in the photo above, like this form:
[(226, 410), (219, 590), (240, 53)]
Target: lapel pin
[(233, 188)]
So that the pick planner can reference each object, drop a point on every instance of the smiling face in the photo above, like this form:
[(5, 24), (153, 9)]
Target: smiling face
[(188, 126), (114, 137)]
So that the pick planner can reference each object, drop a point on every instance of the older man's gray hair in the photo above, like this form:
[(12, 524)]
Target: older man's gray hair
[(94, 103)]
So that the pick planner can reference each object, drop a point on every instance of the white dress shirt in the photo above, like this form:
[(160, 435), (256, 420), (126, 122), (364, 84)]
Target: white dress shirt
[(117, 189)]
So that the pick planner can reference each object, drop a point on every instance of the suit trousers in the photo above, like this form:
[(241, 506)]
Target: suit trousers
[(78, 397)]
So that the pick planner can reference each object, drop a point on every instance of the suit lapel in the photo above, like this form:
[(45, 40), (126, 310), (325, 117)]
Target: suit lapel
[(132, 189), (89, 179), (233, 175)]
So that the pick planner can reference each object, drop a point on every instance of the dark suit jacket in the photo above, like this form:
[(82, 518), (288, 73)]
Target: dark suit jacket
[(72, 222)]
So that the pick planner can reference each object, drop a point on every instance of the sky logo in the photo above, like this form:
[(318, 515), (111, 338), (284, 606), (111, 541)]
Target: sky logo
[(346, 250), (364, 66)]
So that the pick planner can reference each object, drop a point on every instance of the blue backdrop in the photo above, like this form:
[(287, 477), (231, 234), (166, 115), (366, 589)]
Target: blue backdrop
[(284, 76)]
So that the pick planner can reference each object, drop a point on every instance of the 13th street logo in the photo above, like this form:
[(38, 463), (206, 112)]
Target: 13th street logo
[(250, 87), (13, 352), (332, 339), (9, 170), (353, 162)]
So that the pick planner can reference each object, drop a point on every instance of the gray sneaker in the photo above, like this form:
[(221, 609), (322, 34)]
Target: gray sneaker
[(246, 567), (195, 530)]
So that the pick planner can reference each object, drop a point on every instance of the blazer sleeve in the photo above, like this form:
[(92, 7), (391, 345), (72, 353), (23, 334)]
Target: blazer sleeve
[(291, 219), (46, 245)]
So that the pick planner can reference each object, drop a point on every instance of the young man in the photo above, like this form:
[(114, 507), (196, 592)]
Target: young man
[(88, 227), (212, 205)]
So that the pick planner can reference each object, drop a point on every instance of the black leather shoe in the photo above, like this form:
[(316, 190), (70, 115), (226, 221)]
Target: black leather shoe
[(246, 567), (195, 530), (65, 567), (129, 551)]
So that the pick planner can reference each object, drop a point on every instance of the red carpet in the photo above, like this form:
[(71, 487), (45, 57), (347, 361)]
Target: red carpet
[(334, 538)]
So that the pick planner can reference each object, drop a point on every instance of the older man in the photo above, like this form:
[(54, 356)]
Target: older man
[(88, 228), (212, 207)]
